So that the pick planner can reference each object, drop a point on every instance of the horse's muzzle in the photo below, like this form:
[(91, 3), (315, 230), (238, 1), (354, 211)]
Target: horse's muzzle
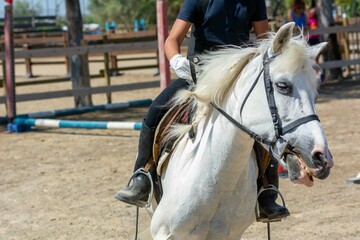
[(304, 170)]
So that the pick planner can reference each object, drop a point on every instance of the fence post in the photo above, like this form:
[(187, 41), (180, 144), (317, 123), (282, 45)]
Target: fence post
[(162, 33), (113, 64), (85, 72), (3, 68), (10, 71), (67, 62), (106, 69), (345, 38), (28, 64)]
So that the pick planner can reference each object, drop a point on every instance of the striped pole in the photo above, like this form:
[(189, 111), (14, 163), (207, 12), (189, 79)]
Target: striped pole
[(73, 124), (74, 111)]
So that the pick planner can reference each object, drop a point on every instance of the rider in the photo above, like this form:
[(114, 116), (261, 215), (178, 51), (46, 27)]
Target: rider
[(214, 24)]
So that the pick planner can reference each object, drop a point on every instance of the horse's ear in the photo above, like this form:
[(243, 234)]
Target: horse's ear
[(282, 37), (315, 50)]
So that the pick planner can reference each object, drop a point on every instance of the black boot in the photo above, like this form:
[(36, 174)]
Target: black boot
[(137, 192), (268, 207)]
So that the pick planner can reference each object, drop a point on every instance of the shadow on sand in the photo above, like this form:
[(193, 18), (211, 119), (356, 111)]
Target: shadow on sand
[(339, 89)]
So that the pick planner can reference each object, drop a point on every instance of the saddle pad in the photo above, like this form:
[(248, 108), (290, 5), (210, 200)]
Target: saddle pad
[(176, 114)]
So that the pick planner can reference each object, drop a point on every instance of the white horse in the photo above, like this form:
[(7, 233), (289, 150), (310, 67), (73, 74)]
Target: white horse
[(209, 184)]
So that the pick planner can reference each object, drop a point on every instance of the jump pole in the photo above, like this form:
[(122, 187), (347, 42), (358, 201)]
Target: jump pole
[(24, 124), (81, 110)]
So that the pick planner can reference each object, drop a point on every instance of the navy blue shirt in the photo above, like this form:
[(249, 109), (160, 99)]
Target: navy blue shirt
[(222, 22)]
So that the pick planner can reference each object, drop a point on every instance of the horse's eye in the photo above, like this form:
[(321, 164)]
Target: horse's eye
[(284, 87)]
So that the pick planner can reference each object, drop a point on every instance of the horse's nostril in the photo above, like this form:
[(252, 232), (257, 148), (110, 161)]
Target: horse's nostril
[(319, 159), (321, 163)]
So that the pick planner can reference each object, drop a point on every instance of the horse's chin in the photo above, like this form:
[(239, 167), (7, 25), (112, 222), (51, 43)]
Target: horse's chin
[(299, 173)]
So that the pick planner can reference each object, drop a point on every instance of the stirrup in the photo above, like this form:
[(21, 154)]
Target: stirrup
[(148, 175), (271, 187)]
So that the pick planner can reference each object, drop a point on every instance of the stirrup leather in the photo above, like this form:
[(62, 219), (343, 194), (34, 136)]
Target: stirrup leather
[(270, 187)]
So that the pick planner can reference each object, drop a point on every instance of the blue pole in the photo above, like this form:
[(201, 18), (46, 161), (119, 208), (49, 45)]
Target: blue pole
[(74, 111)]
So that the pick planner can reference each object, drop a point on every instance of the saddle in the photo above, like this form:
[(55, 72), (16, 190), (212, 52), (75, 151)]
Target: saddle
[(179, 114)]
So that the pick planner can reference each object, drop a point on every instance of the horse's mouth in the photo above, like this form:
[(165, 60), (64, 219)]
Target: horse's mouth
[(307, 174), (299, 172)]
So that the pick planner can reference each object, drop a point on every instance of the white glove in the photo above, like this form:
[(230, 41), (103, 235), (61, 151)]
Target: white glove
[(181, 66)]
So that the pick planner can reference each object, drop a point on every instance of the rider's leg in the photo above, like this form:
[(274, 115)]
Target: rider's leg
[(138, 190), (268, 207)]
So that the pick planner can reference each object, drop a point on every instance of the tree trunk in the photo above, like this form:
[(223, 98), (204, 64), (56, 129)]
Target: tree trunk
[(78, 69), (332, 51)]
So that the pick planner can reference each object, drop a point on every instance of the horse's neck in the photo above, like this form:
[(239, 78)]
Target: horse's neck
[(215, 173), (228, 143)]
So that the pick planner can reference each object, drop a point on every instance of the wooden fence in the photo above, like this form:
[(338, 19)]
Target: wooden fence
[(50, 40), (348, 38), (123, 48)]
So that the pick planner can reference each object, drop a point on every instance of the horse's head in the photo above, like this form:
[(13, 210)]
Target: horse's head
[(291, 90), (270, 91)]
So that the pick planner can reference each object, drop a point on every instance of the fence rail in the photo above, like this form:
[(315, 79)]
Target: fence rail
[(90, 49), (82, 91), (336, 29)]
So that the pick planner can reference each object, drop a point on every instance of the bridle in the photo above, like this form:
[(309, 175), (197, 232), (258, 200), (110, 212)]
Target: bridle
[(282, 144)]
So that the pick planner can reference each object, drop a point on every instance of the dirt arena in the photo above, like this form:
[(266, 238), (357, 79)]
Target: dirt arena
[(60, 183)]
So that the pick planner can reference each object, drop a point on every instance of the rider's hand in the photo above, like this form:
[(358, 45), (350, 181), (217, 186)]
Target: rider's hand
[(181, 66)]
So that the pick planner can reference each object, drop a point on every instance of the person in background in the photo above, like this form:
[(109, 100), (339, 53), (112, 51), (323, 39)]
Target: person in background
[(313, 24), (297, 14), (314, 39), (214, 24)]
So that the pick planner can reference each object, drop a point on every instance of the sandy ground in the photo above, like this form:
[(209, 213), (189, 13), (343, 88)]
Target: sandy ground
[(60, 183)]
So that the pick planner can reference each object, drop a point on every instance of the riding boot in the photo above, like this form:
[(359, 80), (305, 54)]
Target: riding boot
[(267, 199), (137, 192)]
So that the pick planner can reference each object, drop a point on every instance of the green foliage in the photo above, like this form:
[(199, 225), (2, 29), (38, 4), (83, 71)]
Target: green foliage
[(124, 12), (281, 7), (351, 7), (344, 2), (22, 8), (173, 9)]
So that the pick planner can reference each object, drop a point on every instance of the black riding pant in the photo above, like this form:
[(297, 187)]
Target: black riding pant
[(160, 105)]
